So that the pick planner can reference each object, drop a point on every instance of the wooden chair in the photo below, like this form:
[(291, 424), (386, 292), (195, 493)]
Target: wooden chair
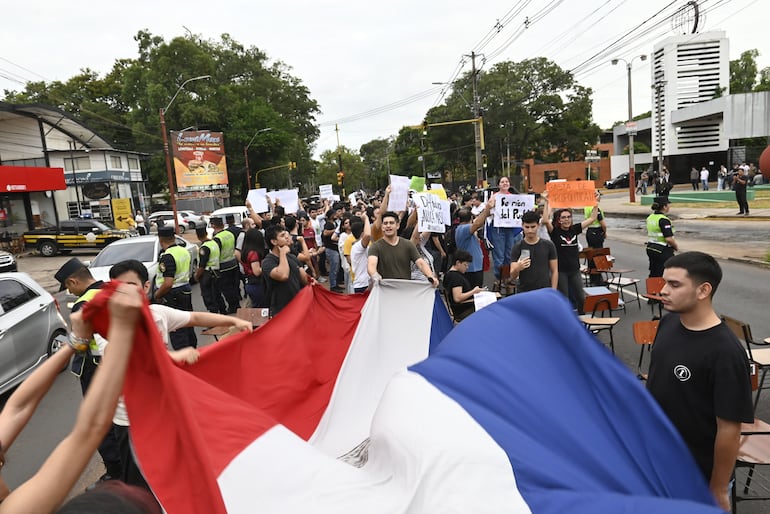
[(588, 254), (759, 355), (614, 277), (644, 335), (601, 304), (654, 286), (753, 451)]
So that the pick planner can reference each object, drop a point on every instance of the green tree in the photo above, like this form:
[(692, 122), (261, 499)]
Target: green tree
[(743, 72), (375, 156), (352, 166)]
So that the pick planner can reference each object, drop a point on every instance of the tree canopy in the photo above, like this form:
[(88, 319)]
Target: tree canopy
[(745, 76)]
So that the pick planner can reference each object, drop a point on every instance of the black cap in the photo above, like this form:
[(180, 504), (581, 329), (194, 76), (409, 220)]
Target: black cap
[(216, 222), (66, 271), (660, 201), (165, 231)]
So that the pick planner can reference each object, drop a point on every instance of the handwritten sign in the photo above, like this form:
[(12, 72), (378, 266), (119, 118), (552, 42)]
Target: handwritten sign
[(571, 194), (325, 191), (258, 200), (399, 192), (417, 183), (438, 190), (430, 213), (509, 209)]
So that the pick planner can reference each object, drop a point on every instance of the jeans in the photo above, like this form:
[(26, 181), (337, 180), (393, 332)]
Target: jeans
[(571, 286), (705, 184), (333, 264), (503, 240)]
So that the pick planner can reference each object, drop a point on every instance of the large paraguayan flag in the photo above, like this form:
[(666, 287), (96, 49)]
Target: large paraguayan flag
[(348, 404)]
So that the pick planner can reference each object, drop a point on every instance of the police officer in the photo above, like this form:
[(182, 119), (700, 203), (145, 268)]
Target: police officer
[(661, 243), (77, 279), (207, 273), (173, 284), (596, 233), (229, 274)]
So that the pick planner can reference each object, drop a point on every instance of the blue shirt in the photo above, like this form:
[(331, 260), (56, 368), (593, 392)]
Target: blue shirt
[(467, 241)]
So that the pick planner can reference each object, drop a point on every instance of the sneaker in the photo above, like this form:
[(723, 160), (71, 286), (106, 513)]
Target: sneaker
[(337, 289), (323, 279)]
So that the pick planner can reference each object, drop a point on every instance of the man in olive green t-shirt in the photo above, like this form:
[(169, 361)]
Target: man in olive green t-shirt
[(391, 256)]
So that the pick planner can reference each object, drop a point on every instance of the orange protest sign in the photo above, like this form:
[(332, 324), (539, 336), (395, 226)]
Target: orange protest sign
[(563, 195)]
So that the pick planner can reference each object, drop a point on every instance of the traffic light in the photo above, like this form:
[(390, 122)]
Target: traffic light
[(424, 127), (484, 160), (340, 178), (292, 165)]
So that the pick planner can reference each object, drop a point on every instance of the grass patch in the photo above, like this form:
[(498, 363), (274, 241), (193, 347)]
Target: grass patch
[(761, 201)]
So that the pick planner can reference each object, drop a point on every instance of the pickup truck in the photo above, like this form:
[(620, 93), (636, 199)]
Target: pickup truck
[(72, 235)]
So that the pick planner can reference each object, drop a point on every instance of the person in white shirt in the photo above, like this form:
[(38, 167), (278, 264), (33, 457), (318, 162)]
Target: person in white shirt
[(167, 320), (362, 231)]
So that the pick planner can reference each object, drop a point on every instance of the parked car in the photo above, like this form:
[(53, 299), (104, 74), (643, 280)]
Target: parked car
[(617, 182), (238, 213), (72, 235), (7, 262), (185, 222), (142, 248), (193, 217), (31, 328)]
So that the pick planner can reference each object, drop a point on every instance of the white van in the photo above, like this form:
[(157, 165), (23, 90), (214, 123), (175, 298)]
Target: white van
[(238, 212)]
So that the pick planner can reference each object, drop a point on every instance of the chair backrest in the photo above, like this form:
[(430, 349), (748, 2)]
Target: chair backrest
[(602, 262), (601, 302), (655, 285), (644, 331)]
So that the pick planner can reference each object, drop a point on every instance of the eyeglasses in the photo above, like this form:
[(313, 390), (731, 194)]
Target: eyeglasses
[(567, 217)]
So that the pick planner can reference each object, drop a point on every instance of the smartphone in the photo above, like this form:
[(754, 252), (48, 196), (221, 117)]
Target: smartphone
[(524, 255)]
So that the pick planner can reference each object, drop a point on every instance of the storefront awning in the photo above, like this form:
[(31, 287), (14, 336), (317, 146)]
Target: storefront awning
[(20, 179)]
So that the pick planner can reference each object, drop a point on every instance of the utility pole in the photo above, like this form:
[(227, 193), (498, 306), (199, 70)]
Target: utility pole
[(339, 157), (480, 172)]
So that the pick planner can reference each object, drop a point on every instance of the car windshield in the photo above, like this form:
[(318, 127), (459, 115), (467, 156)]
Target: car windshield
[(100, 225), (141, 251)]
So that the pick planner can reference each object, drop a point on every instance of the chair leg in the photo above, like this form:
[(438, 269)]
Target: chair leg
[(759, 388), (638, 298), (750, 474), (639, 366), (612, 343)]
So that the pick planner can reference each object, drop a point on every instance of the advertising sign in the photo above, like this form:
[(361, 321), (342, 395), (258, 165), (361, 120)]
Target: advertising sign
[(199, 159)]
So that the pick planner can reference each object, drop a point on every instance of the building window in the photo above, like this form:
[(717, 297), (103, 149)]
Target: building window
[(39, 162), (116, 162), (133, 163), (77, 164)]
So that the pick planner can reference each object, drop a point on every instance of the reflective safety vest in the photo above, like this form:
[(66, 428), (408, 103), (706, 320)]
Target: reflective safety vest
[(93, 347), (213, 262), (587, 214), (182, 260), (654, 233), (227, 239)]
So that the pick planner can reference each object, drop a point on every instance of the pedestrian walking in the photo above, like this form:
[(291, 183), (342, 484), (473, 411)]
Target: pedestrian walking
[(704, 178), (740, 180), (694, 178)]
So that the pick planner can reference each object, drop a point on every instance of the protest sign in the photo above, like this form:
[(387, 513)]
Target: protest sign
[(509, 209), (289, 199), (417, 184), (438, 190), (325, 191), (571, 194), (399, 191), (430, 214), (258, 200)]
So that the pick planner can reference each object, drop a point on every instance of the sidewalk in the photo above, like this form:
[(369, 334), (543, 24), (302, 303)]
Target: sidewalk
[(616, 204)]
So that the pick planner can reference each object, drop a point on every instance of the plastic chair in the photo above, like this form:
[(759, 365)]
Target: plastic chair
[(601, 304), (759, 355), (654, 286), (644, 335)]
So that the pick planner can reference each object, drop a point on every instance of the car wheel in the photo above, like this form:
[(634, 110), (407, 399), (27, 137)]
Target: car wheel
[(48, 248), (181, 229), (58, 339)]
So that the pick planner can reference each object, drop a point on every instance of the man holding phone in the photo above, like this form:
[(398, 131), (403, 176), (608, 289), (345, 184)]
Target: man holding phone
[(533, 259)]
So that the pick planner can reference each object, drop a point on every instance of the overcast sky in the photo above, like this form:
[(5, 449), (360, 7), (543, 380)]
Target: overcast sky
[(370, 65)]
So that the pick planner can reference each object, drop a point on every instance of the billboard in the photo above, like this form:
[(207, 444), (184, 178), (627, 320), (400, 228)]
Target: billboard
[(199, 159)]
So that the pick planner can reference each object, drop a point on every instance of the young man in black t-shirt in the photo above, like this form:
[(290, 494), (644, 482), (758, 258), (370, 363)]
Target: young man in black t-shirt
[(283, 276), (533, 259), (699, 373)]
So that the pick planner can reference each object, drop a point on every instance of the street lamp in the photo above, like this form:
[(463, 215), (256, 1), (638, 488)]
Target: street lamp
[(631, 131), (246, 154), (169, 172)]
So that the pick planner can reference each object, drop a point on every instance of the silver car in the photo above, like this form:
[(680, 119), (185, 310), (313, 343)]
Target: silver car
[(145, 249), (31, 328)]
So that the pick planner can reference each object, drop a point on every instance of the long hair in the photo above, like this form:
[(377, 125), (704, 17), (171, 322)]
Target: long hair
[(253, 241)]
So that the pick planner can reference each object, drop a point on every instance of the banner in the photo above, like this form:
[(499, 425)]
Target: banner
[(430, 213), (325, 191), (288, 198), (258, 200), (573, 194), (199, 159), (509, 209)]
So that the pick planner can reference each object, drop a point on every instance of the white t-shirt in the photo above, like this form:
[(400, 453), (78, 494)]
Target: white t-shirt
[(318, 227), (167, 320), (358, 260)]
